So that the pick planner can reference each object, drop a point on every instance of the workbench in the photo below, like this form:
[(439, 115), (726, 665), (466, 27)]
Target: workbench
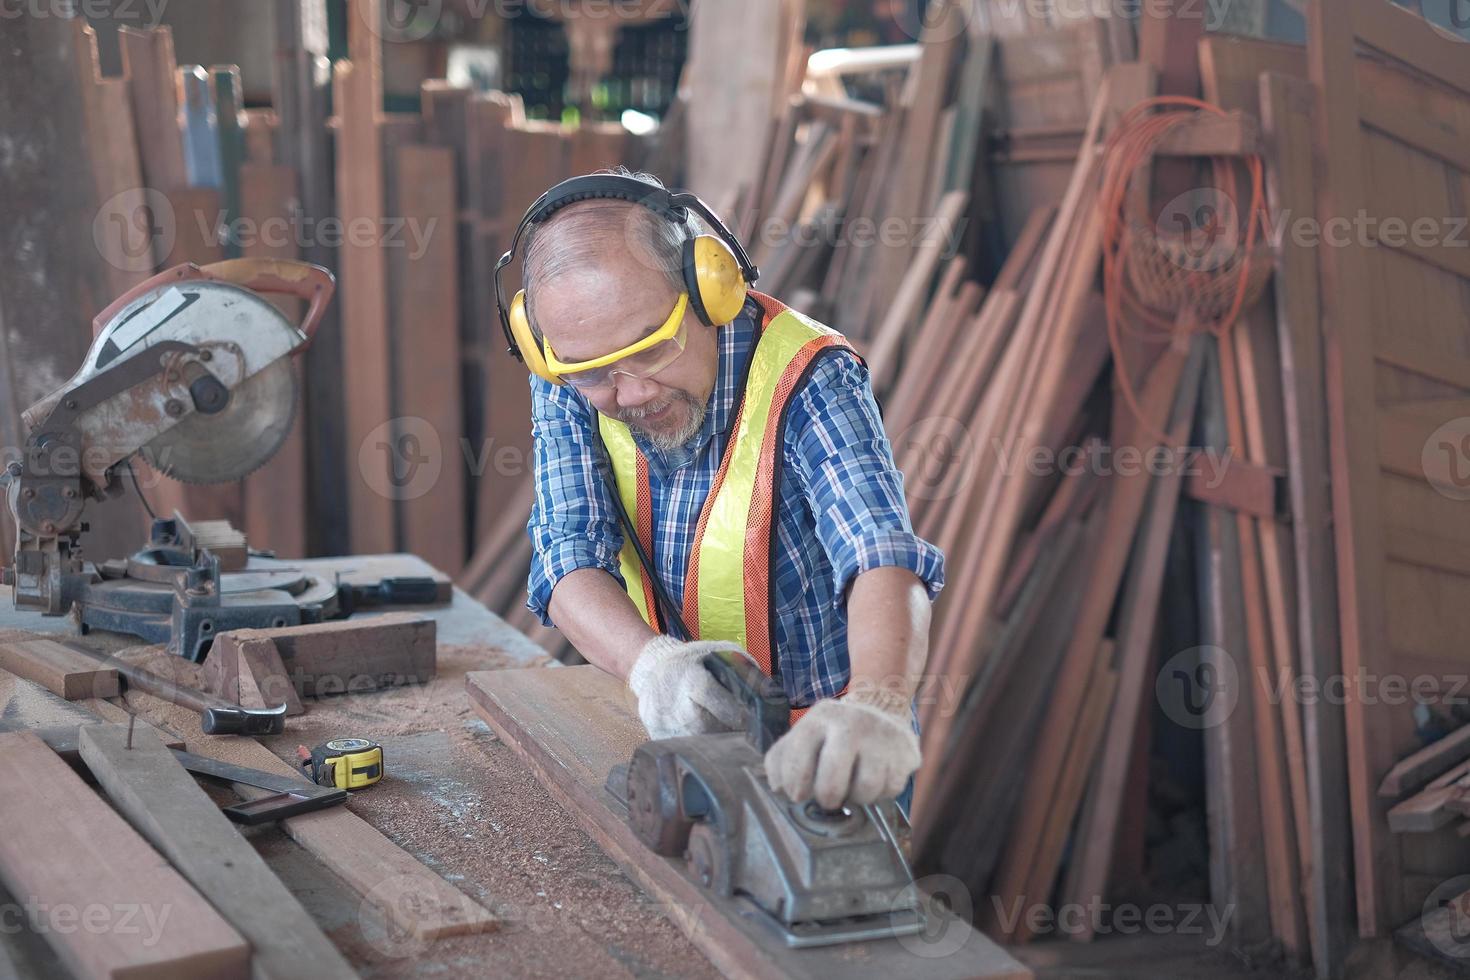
[(455, 798)]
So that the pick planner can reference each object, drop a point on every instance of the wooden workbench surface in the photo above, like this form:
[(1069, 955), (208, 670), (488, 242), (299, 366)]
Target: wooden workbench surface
[(456, 798)]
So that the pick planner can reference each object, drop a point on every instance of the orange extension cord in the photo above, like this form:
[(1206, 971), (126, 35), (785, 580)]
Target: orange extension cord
[(1132, 145)]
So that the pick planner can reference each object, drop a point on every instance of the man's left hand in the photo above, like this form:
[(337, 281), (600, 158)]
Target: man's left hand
[(855, 750)]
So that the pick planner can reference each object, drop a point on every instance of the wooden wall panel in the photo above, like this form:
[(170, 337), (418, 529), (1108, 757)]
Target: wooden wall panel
[(1378, 307)]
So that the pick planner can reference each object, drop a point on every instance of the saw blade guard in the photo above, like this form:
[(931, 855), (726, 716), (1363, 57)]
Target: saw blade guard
[(236, 344)]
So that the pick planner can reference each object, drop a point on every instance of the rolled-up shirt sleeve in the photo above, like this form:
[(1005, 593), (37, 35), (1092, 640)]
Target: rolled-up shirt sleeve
[(573, 520), (836, 447)]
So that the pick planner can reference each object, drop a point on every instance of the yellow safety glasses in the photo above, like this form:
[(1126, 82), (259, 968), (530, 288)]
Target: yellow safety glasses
[(641, 359)]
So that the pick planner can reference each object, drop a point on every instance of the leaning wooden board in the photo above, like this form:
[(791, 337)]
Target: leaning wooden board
[(572, 725)]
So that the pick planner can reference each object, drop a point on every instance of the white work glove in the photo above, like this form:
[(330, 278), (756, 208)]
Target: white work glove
[(676, 695), (855, 750)]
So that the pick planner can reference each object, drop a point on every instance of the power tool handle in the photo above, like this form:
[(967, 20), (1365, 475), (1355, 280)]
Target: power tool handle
[(767, 709)]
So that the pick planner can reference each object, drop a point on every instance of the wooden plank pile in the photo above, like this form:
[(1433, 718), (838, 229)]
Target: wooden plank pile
[(1059, 643)]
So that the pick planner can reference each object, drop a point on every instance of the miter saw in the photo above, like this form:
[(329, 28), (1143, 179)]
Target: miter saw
[(816, 877), (191, 370)]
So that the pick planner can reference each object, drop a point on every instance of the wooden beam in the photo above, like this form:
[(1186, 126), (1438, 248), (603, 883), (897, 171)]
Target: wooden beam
[(425, 268), (367, 347), (571, 726), (55, 826), (162, 801), (1287, 107), (1352, 399), (300, 94), (58, 668)]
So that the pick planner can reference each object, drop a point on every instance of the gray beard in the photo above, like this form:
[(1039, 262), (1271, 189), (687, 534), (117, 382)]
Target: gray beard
[(668, 442)]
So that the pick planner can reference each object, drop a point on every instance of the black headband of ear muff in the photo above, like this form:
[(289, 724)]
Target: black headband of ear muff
[(668, 204)]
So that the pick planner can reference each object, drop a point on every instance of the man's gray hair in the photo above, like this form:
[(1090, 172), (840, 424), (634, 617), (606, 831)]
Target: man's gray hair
[(585, 229)]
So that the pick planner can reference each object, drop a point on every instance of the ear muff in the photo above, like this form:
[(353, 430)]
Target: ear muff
[(530, 347), (712, 275)]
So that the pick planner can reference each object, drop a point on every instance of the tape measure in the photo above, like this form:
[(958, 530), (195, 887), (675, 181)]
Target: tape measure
[(346, 763)]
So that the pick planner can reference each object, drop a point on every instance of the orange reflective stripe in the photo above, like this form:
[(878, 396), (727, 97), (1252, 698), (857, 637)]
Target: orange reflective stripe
[(770, 309), (644, 520), (759, 526)]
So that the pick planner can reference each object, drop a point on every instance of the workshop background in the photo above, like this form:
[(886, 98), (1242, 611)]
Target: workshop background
[(1183, 392)]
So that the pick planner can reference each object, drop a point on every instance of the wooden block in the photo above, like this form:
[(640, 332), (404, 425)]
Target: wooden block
[(353, 655), (67, 848), (58, 668), (571, 726), (161, 799), (247, 670)]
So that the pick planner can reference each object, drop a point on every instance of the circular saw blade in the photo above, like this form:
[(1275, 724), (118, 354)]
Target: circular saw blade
[(233, 442)]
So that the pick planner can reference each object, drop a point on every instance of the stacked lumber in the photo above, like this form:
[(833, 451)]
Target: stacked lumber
[(1318, 551)]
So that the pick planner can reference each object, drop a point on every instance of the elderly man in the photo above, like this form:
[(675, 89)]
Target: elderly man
[(712, 472)]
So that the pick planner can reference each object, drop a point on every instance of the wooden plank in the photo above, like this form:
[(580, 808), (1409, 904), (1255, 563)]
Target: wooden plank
[(1286, 115), (1415, 770), (58, 668), (367, 347), (47, 810), (274, 498), (427, 369), (162, 801), (1273, 770), (66, 740), (301, 95), (1424, 812), (351, 654), (1352, 401), (571, 726), (913, 290), (409, 895), (149, 66)]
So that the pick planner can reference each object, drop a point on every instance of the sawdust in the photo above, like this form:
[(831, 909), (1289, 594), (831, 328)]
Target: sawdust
[(462, 802)]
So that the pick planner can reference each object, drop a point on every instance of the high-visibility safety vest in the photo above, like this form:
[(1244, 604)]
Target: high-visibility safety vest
[(727, 589)]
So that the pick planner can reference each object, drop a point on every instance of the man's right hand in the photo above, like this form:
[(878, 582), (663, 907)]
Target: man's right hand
[(676, 695)]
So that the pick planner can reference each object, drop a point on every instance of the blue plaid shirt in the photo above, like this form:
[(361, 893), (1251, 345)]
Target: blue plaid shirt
[(841, 508)]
